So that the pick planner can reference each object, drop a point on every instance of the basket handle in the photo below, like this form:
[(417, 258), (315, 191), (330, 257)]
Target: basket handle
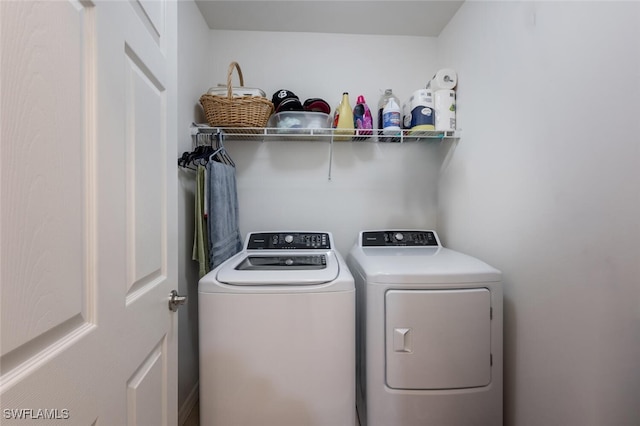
[(233, 65)]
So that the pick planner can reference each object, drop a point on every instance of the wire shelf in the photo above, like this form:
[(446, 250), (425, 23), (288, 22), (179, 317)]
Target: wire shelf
[(323, 134)]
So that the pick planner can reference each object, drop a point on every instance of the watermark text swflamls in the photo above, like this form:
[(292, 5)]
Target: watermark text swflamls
[(35, 414)]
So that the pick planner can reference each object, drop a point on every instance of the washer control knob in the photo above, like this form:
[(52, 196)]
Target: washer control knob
[(288, 239), (398, 236)]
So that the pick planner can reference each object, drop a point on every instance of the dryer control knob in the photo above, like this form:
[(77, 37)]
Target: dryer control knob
[(399, 236), (288, 239)]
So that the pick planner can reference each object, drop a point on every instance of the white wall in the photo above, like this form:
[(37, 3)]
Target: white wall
[(284, 185), (193, 66), (545, 185), (546, 189)]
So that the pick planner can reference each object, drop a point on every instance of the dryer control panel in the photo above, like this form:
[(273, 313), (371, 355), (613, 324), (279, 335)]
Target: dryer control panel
[(288, 241), (397, 238)]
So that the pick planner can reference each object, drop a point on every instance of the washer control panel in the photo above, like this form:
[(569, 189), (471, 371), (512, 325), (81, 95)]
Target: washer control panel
[(397, 238), (288, 241)]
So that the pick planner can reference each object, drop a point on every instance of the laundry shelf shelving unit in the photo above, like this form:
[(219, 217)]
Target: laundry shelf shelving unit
[(266, 134)]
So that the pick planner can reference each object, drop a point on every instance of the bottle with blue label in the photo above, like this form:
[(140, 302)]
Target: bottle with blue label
[(381, 103), (389, 117)]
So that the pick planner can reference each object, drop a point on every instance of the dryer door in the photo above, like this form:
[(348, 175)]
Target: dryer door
[(438, 339)]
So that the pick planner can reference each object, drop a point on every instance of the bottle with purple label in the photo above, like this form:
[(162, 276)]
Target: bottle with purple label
[(362, 120)]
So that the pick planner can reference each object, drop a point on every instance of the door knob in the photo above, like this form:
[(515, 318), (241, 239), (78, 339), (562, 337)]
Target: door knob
[(175, 300)]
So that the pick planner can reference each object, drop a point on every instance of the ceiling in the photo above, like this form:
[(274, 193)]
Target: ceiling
[(397, 17)]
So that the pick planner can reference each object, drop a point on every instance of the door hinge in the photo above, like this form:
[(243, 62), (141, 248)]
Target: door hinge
[(491, 360), (490, 313)]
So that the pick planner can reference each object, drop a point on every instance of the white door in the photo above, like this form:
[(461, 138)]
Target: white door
[(88, 217)]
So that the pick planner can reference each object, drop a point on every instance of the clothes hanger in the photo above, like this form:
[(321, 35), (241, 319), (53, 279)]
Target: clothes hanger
[(196, 157), (205, 152), (221, 153), (186, 159)]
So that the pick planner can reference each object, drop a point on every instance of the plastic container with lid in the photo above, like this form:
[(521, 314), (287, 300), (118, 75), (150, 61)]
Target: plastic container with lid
[(300, 122)]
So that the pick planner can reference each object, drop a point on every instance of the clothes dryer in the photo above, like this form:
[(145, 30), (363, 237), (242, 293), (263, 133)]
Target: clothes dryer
[(277, 334), (429, 332)]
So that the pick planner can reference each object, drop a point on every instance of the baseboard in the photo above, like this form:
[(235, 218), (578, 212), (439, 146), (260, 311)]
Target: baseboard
[(189, 403)]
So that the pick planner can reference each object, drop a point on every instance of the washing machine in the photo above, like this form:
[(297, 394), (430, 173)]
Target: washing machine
[(429, 332), (277, 335)]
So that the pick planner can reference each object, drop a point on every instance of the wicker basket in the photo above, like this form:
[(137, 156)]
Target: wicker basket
[(239, 111)]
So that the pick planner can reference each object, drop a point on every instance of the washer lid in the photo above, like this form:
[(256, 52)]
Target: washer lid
[(283, 263), (421, 265), (281, 268)]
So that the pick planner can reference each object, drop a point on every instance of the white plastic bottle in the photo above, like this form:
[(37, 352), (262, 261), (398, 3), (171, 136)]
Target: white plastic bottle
[(389, 116), (381, 103)]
